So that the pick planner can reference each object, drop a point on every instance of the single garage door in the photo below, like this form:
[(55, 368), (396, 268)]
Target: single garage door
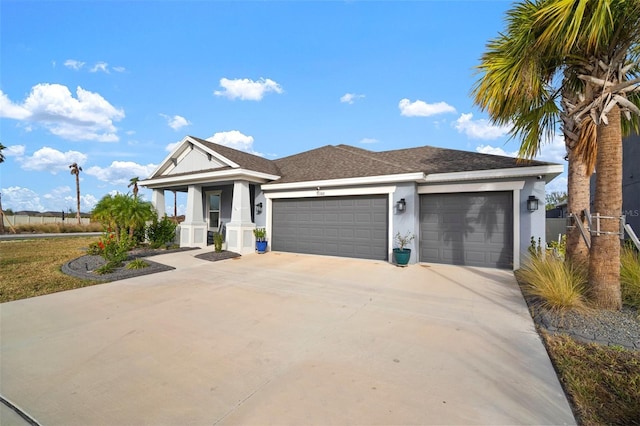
[(335, 226), (474, 229)]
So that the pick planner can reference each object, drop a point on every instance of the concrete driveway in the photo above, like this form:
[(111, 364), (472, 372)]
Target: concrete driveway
[(282, 339)]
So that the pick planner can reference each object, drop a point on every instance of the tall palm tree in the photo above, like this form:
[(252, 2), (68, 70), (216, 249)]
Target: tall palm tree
[(518, 87), (133, 182), (75, 170), (2, 147), (594, 44)]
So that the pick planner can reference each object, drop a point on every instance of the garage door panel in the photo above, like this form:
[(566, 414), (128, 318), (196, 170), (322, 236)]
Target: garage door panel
[(338, 226), (467, 229)]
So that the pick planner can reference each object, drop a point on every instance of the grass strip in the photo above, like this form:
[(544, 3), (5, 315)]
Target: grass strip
[(30, 268), (603, 382)]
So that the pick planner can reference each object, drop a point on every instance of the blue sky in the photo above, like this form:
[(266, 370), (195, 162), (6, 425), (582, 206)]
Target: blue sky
[(112, 85)]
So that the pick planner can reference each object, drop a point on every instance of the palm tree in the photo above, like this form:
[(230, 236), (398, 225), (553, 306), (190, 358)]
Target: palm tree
[(122, 213), (2, 147), (75, 170), (517, 89), (133, 182), (594, 44)]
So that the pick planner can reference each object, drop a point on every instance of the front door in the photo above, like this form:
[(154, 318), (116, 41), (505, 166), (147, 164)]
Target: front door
[(213, 210)]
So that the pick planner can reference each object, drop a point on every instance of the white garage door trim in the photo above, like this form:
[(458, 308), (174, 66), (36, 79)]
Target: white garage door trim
[(333, 192), (515, 186)]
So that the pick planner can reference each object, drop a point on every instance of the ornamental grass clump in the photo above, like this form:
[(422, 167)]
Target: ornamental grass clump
[(558, 285), (630, 277)]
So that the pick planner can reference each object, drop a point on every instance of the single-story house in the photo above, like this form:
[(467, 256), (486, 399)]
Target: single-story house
[(463, 207)]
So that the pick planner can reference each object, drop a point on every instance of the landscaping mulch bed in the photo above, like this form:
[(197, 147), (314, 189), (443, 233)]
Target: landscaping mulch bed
[(84, 266), (215, 256), (608, 328)]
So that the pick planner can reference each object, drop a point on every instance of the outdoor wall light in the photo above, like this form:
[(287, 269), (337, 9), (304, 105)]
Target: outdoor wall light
[(532, 203), (401, 205), (259, 208)]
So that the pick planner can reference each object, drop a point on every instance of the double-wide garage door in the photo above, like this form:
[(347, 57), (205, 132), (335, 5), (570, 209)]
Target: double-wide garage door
[(354, 226), (474, 229)]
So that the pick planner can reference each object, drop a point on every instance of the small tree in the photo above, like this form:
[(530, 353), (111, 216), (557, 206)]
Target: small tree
[(75, 170), (133, 183)]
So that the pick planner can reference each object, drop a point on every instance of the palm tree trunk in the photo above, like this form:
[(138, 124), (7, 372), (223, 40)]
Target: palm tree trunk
[(604, 264), (578, 189), (78, 197)]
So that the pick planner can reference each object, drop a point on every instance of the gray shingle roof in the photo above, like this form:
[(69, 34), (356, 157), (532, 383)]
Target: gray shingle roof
[(243, 159), (345, 161)]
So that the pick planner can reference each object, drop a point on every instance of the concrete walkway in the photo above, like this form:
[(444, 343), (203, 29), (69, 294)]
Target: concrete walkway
[(282, 339)]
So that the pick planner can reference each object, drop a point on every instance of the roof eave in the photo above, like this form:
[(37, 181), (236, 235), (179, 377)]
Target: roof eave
[(548, 172), (208, 177), (368, 180)]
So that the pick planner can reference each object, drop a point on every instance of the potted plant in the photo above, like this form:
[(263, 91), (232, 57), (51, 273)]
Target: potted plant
[(402, 254), (261, 239)]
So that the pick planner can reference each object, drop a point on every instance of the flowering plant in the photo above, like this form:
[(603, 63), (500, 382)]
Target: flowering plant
[(114, 250)]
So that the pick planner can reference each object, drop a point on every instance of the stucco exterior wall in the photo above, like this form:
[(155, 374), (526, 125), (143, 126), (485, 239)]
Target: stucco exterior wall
[(407, 221), (532, 224)]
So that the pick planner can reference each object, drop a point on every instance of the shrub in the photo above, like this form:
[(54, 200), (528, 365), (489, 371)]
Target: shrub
[(630, 277), (94, 249), (137, 264), (161, 232), (218, 239), (535, 249), (559, 285), (115, 250), (105, 269)]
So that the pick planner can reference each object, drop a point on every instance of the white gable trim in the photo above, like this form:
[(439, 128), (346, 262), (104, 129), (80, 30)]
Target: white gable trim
[(181, 151)]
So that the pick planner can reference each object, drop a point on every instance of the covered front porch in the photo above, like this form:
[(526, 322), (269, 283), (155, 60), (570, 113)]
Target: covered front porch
[(228, 207), (223, 192)]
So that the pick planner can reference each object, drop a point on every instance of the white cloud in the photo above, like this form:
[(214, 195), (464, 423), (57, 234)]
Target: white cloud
[(170, 147), (87, 117), (120, 172), (479, 129), (59, 192), (176, 122), (349, 98), (14, 151), (488, 149), (51, 160), (368, 140), (119, 69), (100, 66), (422, 109), (18, 198), (73, 64), (10, 110), (246, 89), (236, 140), (552, 152)]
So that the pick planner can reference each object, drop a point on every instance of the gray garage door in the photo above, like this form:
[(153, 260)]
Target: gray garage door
[(474, 229), (335, 226)]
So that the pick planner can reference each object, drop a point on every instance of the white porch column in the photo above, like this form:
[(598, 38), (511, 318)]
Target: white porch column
[(240, 238), (193, 231), (157, 199)]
